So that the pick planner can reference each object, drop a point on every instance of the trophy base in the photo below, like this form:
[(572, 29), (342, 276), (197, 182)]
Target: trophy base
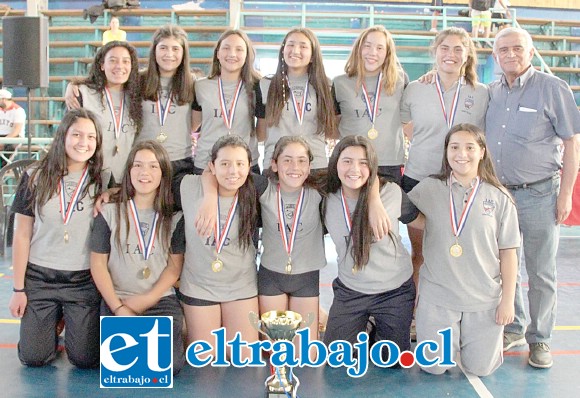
[(274, 389)]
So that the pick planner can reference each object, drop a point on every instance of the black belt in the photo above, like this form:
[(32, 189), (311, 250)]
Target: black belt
[(528, 184)]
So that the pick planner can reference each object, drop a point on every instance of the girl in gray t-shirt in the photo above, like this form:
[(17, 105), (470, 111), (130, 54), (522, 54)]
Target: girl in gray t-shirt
[(138, 244), (224, 101), (367, 98), (54, 206), (218, 283), (292, 234), (111, 91), (374, 276), (296, 100), (468, 280)]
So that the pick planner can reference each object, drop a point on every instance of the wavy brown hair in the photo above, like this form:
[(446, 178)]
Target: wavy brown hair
[(469, 69), (182, 80), (163, 203), (392, 69), (49, 171), (361, 235), (249, 76), (316, 77), (247, 203), (97, 80)]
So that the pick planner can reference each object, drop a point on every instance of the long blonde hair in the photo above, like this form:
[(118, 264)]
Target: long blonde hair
[(392, 69)]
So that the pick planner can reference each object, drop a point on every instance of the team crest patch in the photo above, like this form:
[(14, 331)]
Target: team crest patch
[(469, 102), (489, 207)]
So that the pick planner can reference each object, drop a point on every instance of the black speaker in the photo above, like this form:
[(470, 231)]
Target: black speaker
[(25, 42)]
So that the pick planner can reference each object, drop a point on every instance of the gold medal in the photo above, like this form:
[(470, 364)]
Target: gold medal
[(373, 133), (116, 149), (217, 265), (456, 250), (65, 236), (289, 267), (161, 137), (146, 273)]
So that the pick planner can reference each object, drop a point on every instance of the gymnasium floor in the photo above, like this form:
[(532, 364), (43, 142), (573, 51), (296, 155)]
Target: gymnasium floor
[(514, 379)]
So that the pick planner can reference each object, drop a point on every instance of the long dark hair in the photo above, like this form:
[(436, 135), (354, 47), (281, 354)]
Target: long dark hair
[(53, 167), (163, 203), (182, 80), (247, 211), (97, 80), (485, 169), (249, 76), (316, 76), (361, 234)]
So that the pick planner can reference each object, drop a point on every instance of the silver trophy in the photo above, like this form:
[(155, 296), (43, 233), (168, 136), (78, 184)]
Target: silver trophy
[(280, 325)]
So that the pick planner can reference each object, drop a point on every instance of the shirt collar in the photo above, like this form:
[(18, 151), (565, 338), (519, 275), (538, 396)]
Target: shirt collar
[(521, 79), (456, 181)]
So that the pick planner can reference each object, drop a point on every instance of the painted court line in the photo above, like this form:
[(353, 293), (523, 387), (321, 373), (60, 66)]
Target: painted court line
[(475, 381)]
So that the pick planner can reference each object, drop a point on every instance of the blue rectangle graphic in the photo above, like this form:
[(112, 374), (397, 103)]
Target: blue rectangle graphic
[(136, 352)]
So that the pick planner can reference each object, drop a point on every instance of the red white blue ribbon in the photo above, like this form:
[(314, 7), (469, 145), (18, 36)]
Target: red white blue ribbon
[(228, 115), (372, 110), (457, 225), (289, 240), (220, 237), (67, 210), (345, 211), (146, 248), (163, 111), (299, 108), (117, 118), (451, 117)]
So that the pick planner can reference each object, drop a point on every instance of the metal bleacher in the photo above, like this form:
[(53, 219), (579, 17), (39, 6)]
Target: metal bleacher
[(73, 40)]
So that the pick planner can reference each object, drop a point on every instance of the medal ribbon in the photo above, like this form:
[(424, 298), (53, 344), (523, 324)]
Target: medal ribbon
[(221, 238), (163, 111), (117, 119), (448, 119), (345, 211), (299, 108), (288, 241), (456, 226), (228, 116), (146, 248), (67, 210), (373, 110)]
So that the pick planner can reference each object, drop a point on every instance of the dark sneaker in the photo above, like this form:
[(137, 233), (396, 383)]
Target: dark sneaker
[(511, 340), (540, 356)]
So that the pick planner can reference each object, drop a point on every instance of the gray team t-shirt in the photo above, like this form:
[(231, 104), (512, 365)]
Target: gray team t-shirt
[(355, 120), (471, 282), (47, 245), (238, 278), (112, 159), (213, 127), (308, 252), (389, 263), (177, 126), (422, 106), (289, 124), (126, 263)]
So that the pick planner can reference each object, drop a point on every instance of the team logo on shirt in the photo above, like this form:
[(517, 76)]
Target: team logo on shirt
[(144, 227), (469, 102), (489, 207), (136, 351)]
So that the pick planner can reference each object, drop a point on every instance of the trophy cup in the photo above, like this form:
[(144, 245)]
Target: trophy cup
[(280, 325)]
